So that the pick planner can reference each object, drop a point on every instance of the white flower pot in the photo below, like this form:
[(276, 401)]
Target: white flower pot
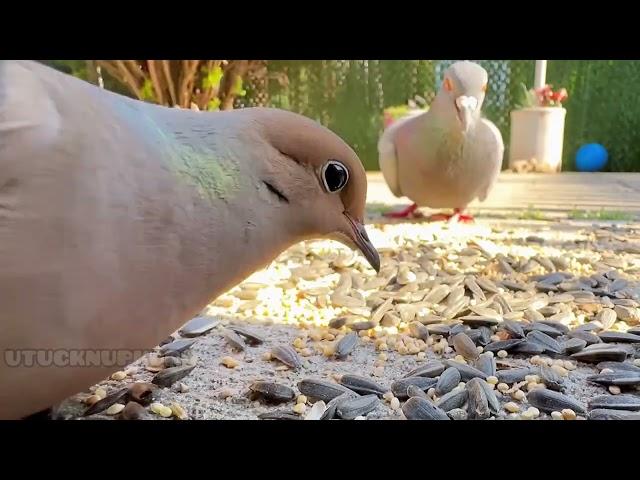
[(537, 136)]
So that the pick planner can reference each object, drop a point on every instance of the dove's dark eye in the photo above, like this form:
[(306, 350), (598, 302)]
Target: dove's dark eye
[(334, 176)]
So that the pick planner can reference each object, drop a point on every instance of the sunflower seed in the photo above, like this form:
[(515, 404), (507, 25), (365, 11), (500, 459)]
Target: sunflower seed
[(355, 407), (439, 329), (279, 415), (464, 346), (619, 366), (362, 385), (479, 321), (287, 355), (561, 263), (528, 348), (474, 288), (430, 369), (514, 328), (458, 328), (550, 278), (271, 392), (573, 345), (616, 402), (513, 375), (477, 403), (503, 345), (485, 311), (625, 302), (548, 311), (486, 363), (556, 325), (322, 390), (492, 400), (543, 328), (514, 286), (454, 399), (176, 348), (234, 340), (612, 353), (449, 379), (562, 298), (611, 414), (198, 326), (358, 326), (338, 322), (418, 330), (504, 305), (346, 345), (455, 309), (607, 318), (551, 379), (619, 379), (106, 402), (250, 337), (169, 376), (417, 408), (467, 372), (487, 285), (399, 387), (317, 411), (413, 391), (437, 294), (620, 337), (588, 337), (458, 414), (549, 401), (546, 287), (544, 340), (330, 411), (545, 263)]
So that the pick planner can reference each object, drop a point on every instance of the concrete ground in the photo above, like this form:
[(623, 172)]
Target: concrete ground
[(551, 194), (525, 217)]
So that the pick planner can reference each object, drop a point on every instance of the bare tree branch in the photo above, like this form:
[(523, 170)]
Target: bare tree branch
[(189, 70), (92, 73), (135, 70), (169, 79), (235, 70), (179, 83), (155, 80), (129, 78)]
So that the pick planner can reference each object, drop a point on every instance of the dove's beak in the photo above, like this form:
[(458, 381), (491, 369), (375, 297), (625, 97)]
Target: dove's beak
[(466, 108), (359, 236)]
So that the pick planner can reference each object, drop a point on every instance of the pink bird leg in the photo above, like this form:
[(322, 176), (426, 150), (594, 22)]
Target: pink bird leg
[(407, 212), (456, 217)]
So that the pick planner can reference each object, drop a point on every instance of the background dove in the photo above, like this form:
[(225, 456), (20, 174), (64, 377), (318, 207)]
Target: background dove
[(121, 220), (448, 156)]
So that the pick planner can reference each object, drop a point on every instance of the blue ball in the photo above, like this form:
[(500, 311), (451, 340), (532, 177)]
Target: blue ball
[(591, 158)]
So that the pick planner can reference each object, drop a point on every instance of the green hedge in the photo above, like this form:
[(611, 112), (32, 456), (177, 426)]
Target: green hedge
[(349, 96)]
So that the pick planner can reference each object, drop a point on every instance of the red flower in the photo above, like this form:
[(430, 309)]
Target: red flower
[(562, 95)]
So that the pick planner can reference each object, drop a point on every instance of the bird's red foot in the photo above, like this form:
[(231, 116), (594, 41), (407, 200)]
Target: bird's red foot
[(456, 217), (406, 213)]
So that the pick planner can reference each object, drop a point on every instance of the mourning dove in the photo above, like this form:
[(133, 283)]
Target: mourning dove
[(121, 220)]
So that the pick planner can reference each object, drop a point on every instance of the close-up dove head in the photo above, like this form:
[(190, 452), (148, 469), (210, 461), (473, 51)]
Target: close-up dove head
[(463, 87), (316, 179)]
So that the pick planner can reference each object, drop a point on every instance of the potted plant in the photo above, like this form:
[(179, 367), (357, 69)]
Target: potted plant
[(537, 130)]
